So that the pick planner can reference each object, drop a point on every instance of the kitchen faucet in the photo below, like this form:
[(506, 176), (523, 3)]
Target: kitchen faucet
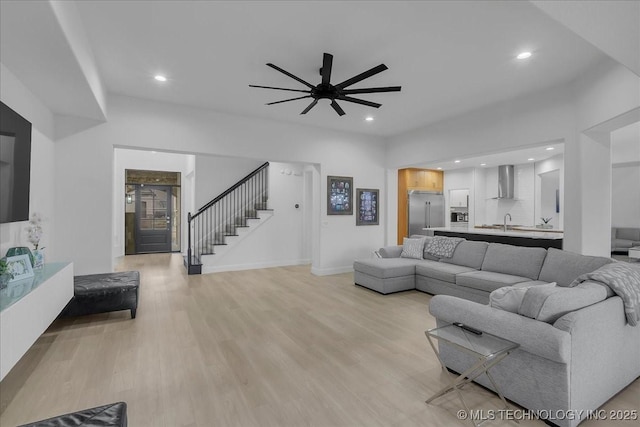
[(504, 227)]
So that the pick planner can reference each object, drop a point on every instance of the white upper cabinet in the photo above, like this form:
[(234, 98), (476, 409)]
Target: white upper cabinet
[(459, 198)]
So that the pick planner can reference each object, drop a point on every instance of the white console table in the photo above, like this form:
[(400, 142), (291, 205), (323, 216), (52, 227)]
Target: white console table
[(28, 307)]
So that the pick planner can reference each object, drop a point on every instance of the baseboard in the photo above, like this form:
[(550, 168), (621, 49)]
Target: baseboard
[(253, 266), (332, 270)]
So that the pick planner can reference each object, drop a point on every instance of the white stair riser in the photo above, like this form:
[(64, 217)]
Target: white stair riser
[(230, 241)]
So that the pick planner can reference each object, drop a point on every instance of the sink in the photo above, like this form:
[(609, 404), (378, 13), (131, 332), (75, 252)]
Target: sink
[(501, 227)]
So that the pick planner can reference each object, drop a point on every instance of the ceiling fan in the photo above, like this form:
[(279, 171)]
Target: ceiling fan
[(325, 90)]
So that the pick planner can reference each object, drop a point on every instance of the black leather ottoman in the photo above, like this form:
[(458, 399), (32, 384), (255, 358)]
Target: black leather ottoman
[(102, 293), (111, 415)]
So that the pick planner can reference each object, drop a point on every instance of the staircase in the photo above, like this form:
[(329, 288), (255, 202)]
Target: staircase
[(227, 219)]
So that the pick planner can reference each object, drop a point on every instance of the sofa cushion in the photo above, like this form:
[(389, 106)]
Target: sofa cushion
[(514, 260), (632, 234), (468, 253), (563, 267), (548, 304), (412, 248), (487, 280), (440, 270), (509, 298), (384, 268)]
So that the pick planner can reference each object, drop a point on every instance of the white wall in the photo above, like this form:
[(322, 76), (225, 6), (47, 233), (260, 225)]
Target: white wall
[(505, 126), (459, 179), (521, 207), (625, 178), (42, 192), (215, 174), (84, 164), (603, 94), (280, 240), (549, 189), (146, 160), (625, 196), (553, 164)]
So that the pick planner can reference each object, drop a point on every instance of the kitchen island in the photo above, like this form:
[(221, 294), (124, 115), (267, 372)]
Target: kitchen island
[(516, 235)]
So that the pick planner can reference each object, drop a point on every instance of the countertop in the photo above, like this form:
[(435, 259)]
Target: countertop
[(527, 232)]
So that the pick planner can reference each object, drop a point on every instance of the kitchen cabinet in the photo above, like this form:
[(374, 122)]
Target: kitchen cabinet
[(459, 198), (422, 179)]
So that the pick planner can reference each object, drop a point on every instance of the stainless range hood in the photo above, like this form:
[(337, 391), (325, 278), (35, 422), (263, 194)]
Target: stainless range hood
[(505, 182)]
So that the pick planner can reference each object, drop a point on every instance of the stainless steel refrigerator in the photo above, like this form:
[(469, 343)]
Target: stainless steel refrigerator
[(426, 210)]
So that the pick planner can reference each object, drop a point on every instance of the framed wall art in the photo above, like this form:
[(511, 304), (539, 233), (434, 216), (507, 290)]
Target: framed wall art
[(339, 195), (367, 200), (20, 267)]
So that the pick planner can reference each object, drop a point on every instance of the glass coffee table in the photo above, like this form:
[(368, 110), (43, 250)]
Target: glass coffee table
[(487, 349)]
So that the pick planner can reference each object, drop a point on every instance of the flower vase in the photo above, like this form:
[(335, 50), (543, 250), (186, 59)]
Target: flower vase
[(5, 278), (38, 258), (21, 250)]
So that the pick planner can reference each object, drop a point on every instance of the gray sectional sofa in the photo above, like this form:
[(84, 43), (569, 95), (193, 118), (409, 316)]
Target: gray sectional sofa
[(623, 238), (576, 348), (473, 272)]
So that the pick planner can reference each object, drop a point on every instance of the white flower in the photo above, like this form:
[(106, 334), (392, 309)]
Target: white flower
[(35, 230)]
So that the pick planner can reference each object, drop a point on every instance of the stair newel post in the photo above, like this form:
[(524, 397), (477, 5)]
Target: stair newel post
[(189, 241), (207, 232)]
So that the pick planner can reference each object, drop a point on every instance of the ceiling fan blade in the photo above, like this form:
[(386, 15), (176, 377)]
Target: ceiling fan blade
[(327, 63), (336, 107), (359, 101), (372, 72), (372, 90), (275, 67), (281, 88), (313, 104), (287, 100)]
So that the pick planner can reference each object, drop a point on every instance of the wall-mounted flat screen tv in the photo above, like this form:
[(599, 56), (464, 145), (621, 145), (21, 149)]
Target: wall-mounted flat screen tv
[(15, 165)]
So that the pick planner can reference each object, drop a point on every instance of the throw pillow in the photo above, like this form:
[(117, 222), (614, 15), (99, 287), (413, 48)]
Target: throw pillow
[(443, 246), (548, 305), (412, 248), (509, 298)]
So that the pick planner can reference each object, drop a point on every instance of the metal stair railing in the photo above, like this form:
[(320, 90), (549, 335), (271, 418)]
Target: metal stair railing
[(221, 217)]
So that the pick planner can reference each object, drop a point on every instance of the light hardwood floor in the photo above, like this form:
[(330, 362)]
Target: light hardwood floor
[(272, 347)]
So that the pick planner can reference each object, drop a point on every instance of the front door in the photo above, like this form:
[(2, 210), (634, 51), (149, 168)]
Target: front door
[(153, 218)]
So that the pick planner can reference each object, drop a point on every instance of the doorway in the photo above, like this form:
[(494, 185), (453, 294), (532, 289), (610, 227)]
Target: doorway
[(153, 218), (152, 212)]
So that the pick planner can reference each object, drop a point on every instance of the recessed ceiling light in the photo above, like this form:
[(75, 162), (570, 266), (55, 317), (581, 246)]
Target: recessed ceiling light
[(483, 164), (439, 169), (530, 159), (524, 55), (369, 118), (550, 148), (456, 161), (160, 78)]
